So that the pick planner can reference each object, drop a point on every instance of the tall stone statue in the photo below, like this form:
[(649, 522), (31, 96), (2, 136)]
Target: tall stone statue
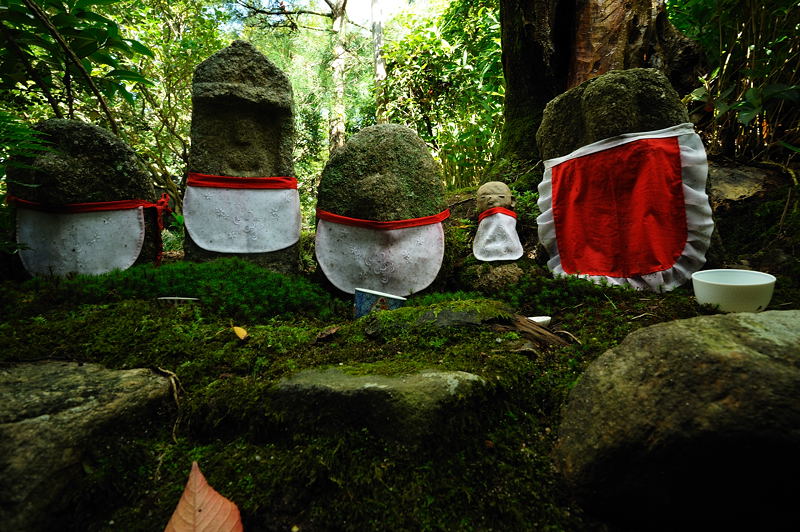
[(241, 195)]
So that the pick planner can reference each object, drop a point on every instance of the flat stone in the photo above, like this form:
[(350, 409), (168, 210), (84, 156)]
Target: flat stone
[(405, 407), (49, 414)]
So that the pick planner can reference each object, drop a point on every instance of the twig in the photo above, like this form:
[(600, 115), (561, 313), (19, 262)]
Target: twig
[(536, 332), (570, 335)]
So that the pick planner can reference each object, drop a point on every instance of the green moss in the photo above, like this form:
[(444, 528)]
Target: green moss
[(489, 470), (384, 172)]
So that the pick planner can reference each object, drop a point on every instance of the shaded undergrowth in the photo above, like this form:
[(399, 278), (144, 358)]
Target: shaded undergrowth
[(489, 471)]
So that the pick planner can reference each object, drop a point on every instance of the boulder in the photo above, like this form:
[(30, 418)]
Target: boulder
[(242, 126), (383, 173), (411, 408), (50, 412), (86, 164), (693, 421), (621, 101)]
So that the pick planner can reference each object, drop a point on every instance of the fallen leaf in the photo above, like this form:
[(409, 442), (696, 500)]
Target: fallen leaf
[(241, 333), (203, 509), (327, 334)]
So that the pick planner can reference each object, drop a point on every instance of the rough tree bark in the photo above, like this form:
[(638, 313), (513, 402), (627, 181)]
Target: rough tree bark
[(338, 109), (379, 61), (552, 45)]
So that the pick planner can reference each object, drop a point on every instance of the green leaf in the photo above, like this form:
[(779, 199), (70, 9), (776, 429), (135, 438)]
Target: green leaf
[(80, 4), (789, 146), (128, 75), (139, 48)]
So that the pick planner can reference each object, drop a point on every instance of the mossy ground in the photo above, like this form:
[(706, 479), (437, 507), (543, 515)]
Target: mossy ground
[(489, 471)]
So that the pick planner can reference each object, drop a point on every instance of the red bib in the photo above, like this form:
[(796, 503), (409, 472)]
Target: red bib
[(631, 209)]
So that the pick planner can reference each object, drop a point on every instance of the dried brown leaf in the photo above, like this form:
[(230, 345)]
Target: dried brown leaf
[(203, 509)]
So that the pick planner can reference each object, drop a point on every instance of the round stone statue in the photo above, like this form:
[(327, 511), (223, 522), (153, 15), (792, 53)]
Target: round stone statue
[(85, 205), (379, 210), (496, 237)]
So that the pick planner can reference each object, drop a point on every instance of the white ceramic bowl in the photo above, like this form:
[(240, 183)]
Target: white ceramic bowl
[(733, 290)]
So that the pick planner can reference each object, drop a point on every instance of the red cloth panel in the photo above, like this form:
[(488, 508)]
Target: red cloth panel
[(620, 212)]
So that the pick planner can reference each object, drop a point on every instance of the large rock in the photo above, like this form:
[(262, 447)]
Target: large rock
[(242, 126), (621, 101), (384, 172), (693, 421), (85, 164), (49, 414), (411, 408)]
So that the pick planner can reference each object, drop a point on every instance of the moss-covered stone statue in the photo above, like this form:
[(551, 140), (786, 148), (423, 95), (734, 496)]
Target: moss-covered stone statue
[(496, 237), (623, 196), (241, 196), (85, 205), (379, 209)]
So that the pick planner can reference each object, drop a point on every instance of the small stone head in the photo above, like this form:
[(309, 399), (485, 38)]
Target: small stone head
[(494, 194)]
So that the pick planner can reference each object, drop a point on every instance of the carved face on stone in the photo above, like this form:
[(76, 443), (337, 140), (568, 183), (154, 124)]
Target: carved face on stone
[(238, 140), (494, 194)]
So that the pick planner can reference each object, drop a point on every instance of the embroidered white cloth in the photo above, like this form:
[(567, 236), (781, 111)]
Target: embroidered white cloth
[(398, 261), (239, 220), (497, 238), (83, 243), (630, 209)]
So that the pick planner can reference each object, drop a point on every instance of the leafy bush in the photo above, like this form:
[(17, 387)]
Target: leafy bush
[(752, 91), (225, 287), (445, 79)]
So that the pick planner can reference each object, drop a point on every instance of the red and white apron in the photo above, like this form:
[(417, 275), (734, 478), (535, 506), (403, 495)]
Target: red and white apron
[(242, 214), (400, 257), (496, 237), (630, 209)]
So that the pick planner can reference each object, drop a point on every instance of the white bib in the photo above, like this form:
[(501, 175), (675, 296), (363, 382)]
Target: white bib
[(242, 220), (497, 239), (84, 243), (397, 261)]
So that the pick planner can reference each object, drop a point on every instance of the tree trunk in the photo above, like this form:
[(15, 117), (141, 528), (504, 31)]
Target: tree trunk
[(552, 45), (536, 40), (380, 62), (338, 108)]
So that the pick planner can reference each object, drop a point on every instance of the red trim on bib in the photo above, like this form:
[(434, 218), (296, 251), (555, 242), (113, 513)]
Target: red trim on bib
[(223, 181), (496, 210), (374, 224), (161, 205)]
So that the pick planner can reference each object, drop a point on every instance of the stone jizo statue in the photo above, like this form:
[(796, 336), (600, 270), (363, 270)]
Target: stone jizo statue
[(496, 238)]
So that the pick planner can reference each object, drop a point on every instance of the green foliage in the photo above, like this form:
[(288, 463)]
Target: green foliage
[(752, 91), (17, 140), (181, 34), (230, 288), (57, 51), (445, 79)]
